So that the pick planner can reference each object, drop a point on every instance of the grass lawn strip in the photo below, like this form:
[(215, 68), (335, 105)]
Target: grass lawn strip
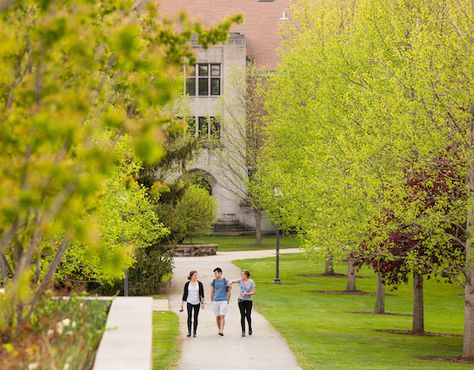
[(241, 243), (166, 342), (324, 333)]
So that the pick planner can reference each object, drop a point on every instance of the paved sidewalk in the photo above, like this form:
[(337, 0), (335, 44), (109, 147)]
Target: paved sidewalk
[(127, 340), (265, 349)]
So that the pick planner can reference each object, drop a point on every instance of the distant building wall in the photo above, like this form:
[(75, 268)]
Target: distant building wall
[(256, 39), (262, 20)]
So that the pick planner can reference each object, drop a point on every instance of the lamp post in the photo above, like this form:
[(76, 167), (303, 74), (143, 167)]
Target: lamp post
[(277, 193)]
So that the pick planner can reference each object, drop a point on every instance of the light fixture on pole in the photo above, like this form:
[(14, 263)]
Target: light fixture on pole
[(277, 193)]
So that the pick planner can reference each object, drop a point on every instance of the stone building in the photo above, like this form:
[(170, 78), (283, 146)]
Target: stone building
[(210, 83)]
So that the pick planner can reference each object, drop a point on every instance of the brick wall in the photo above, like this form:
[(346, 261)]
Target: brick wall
[(261, 21)]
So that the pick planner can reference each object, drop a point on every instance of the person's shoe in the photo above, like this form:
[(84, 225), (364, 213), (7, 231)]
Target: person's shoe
[(250, 331), (221, 334), (189, 334), (194, 335), (243, 334)]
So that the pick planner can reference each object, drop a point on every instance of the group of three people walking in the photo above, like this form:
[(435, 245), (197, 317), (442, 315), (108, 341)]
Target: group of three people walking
[(193, 296)]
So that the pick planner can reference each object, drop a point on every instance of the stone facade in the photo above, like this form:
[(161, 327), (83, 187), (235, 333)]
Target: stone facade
[(213, 162), (256, 39)]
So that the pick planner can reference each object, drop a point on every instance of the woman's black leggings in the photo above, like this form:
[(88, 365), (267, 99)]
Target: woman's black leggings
[(245, 308), (195, 319)]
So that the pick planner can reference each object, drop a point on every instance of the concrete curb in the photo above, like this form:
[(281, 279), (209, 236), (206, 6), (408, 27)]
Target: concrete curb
[(127, 340)]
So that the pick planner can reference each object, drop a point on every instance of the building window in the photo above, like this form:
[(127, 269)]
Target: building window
[(203, 79), (191, 80), (207, 128)]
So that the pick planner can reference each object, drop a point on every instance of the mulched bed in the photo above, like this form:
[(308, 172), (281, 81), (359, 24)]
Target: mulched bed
[(381, 314), (348, 292), (425, 334), (335, 275), (459, 359)]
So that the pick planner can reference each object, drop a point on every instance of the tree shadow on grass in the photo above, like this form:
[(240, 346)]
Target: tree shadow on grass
[(457, 359), (380, 314), (424, 334), (348, 292), (332, 275)]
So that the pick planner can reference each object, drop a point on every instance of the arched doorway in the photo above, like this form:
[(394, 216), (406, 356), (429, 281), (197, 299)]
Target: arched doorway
[(201, 178)]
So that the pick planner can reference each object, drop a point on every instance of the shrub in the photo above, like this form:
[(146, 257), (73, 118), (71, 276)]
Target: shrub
[(146, 275), (192, 214), (61, 334)]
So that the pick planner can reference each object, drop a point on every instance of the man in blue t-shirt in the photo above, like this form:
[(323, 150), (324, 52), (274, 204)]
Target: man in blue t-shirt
[(220, 295)]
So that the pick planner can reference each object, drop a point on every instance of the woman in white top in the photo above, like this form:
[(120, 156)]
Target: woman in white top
[(247, 290), (193, 295)]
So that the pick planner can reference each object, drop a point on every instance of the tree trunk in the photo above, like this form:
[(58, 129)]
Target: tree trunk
[(45, 282), (468, 343), (329, 265), (351, 275), (258, 227), (380, 294), (418, 304), (4, 268)]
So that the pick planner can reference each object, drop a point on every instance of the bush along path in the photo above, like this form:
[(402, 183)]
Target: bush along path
[(265, 349)]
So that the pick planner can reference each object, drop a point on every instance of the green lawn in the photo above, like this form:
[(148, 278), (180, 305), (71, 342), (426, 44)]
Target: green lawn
[(247, 243), (166, 350), (324, 333)]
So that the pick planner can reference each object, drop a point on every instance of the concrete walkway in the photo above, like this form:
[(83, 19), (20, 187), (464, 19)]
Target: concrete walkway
[(127, 340), (265, 349)]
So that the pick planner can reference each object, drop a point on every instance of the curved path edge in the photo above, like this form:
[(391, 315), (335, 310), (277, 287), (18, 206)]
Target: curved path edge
[(265, 349)]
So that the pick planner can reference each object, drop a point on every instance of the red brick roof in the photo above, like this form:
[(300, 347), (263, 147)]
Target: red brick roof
[(260, 27)]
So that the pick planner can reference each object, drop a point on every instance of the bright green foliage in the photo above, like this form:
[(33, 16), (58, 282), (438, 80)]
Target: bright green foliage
[(127, 221), (191, 215), (365, 87), (68, 72), (367, 90)]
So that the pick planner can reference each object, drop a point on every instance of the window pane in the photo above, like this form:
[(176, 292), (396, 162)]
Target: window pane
[(215, 127), (203, 70), (203, 127), (190, 71), (203, 86), (191, 86), (215, 70), (192, 125), (215, 86)]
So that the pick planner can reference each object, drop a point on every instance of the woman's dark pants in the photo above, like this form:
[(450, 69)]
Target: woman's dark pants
[(245, 308), (192, 307)]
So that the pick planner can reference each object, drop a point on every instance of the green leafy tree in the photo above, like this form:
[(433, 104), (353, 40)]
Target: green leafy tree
[(127, 222), (365, 88), (396, 250), (69, 71)]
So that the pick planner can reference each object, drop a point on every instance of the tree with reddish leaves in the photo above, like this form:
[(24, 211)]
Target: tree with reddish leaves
[(422, 233)]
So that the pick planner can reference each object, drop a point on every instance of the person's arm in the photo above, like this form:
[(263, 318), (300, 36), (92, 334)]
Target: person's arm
[(212, 294), (233, 281), (228, 293), (185, 295), (201, 294), (253, 291)]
